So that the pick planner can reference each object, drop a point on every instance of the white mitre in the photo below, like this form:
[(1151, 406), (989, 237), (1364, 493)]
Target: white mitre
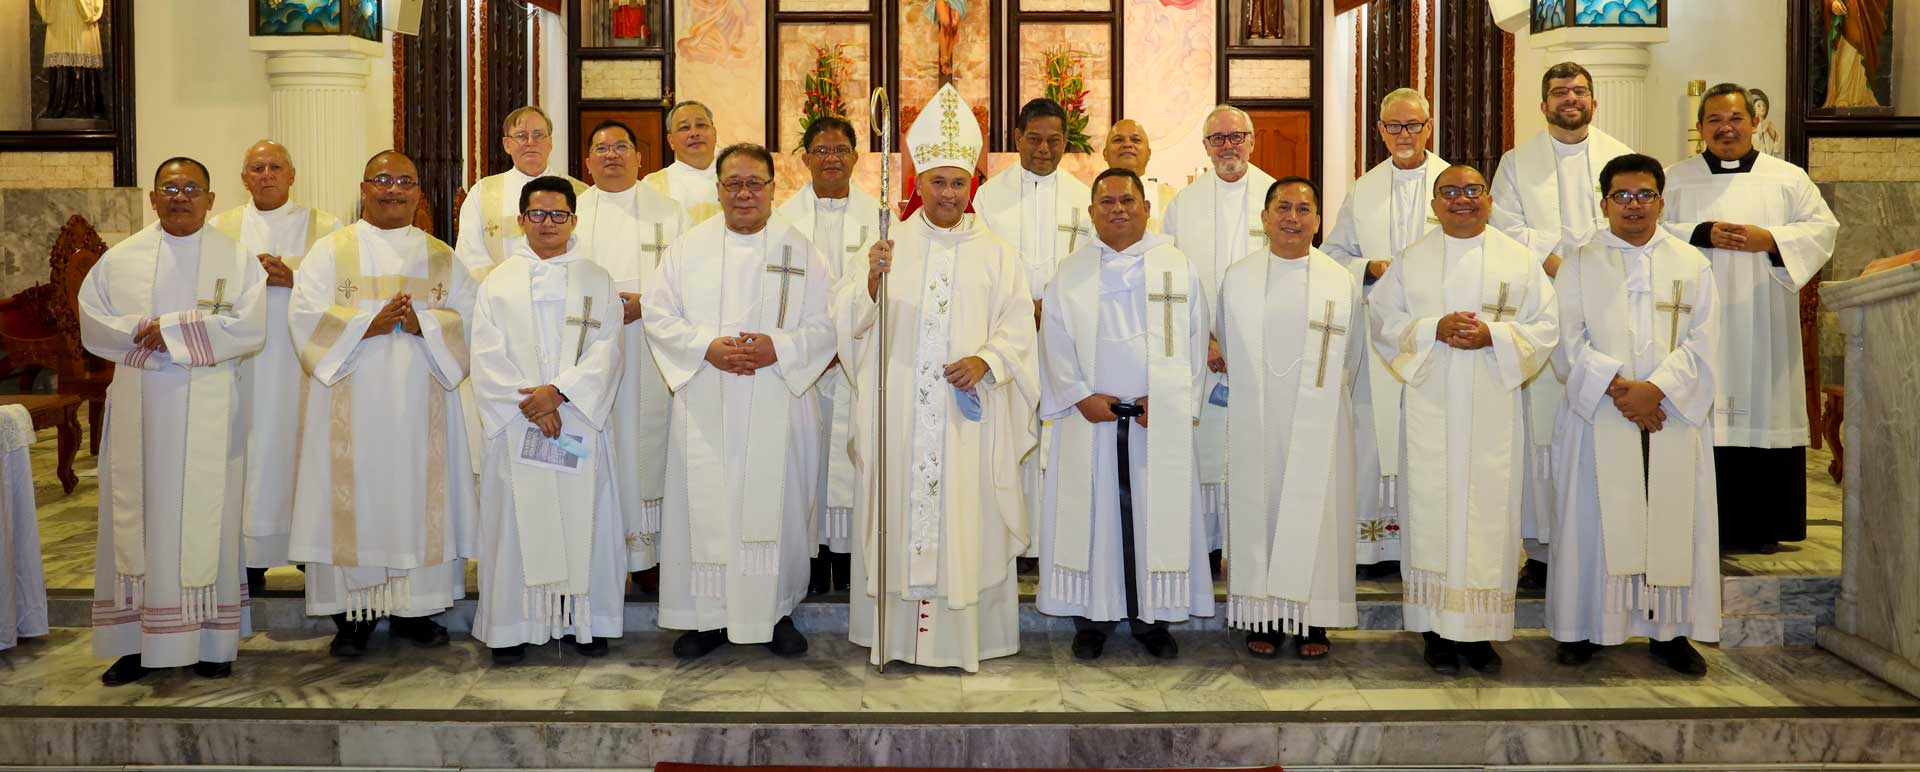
[(945, 133)]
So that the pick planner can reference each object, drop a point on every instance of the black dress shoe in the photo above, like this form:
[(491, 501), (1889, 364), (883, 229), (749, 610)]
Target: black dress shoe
[(1213, 562), (1533, 575), (1381, 571), (1575, 652), (1440, 654), (594, 649), (1088, 644), (1026, 566), (509, 655), (1768, 548), (422, 631), (787, 640), (1159, 643), (819, 574), (347, 642), (1678, 655), (1480, 656), (213, 669), (125, 670), (842, 570), (695, 644), (256, 582)]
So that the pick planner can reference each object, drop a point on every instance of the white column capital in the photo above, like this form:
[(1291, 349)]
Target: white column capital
[(1619, 59), (318, 110)]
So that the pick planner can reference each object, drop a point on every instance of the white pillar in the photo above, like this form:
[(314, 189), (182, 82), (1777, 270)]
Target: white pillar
[(318, 112), (1618, 58)]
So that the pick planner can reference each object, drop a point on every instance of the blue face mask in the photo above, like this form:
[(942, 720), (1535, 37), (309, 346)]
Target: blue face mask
[(969, 402), (571, 444), (1219, 395)]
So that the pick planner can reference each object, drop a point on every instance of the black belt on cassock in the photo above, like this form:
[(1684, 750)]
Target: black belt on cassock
[(1127, 412)]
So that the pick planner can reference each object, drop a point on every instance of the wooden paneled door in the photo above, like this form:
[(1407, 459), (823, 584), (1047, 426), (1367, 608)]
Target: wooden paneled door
[(648, 124), (1283, 141)]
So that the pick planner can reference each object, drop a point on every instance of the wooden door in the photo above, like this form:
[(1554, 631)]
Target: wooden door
[(1283, 141), (649, 129)]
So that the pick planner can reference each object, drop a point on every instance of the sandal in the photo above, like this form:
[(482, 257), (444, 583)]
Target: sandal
[(1314, 635), (1272, 640)]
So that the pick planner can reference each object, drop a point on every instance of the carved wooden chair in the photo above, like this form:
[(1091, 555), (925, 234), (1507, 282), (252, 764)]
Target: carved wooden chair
[(40, 327)]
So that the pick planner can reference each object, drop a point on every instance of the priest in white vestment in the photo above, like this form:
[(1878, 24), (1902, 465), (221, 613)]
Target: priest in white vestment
[(1636, 551), (1386, 211), (740, 328), (546, 358), (1215, 222), (23, 579), (1124, 327), (176, 307), (1128, 147), (1767, 231), (1465, 317), (1294, 333), (626, 227), (383, 509), (1043, 214), (1547, 196), (690, 180), (963, 384), (277, 232), (488, 227), (842, 221)]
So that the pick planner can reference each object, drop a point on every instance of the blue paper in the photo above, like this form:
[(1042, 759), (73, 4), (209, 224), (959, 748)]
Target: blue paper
[(969, 401), (571, 444), (1219, 395)]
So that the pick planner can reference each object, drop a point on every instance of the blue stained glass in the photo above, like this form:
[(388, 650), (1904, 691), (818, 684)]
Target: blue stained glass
[(1630, 13)]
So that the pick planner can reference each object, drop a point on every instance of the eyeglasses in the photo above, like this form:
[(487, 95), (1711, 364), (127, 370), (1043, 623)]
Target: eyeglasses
[(528, 136), (1622, 197), (617, 148), (1451, 192), (189, 190), (1283, 207), (1225, 138), (402, 184), (558, 216), (830, 152), (750, 185), (1410, 128), (1562, 93)]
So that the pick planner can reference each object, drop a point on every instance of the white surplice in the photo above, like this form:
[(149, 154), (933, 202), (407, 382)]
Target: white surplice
[(553, 557), (1761, 384), (1100, 298), (1294, 331), (1646, 314), (695, 190), (628, 233), (1215, 223), (737, 530), (23, 583), (150, 279), (841, 229), (384, 505), (1464, 426), (956, 517), (1385, 212), (272, 380)]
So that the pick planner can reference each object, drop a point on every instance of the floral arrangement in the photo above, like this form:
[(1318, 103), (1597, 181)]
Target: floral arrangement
[(1067, 86), (823, 84)]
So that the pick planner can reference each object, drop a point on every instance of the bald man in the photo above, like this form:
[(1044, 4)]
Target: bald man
[(277, 232), (1129, 148)]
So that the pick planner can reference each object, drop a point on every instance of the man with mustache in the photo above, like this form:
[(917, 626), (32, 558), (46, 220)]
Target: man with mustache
[(1215, 222), (1385, 212), (489, 224), (1464, 318), (278, 232), (1129, 148), (692, 177), (1546, 196), (1767, 232)]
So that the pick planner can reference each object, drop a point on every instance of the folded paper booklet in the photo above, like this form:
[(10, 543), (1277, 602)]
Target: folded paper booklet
[(563, 454)]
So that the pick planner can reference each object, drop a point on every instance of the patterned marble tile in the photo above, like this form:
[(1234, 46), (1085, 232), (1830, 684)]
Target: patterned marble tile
[(1075, 700), (1314, 699), (590, 698)]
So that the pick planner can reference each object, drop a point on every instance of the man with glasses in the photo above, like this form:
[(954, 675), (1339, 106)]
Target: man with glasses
[(278, 232), (691, 178), (383, 507), (1464, 318), (176, 307), (553, 559), (1216, 221), (1636, 546), (1385, 212), (842, 220), (626, 228), (1546, 196), (1042, 213), (738, 322), (489, 224), (1767, 231)]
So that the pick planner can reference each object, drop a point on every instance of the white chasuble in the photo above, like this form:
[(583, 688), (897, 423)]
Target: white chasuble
[(955, 512), (1294, 334), (1386, 211), (553, 558), (167, 578), (384, 501), (1762, 397), (1130, 324), (272, 380), (1465, 437), (842, 231), (488, 228), (697, 191), (737, 530), (1216, 223), (1637, 548), (628, 233)]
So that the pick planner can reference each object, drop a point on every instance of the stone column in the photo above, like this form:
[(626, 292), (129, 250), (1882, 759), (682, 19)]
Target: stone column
[(1618, 58), (318, 111)]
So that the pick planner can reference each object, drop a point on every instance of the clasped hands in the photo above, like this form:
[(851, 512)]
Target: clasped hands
[(1463, 330), (741, 354), (1639, 402), (278, 274), (1741, 238), (1098, 408), (542, 407), (398, 311), (148, 338)]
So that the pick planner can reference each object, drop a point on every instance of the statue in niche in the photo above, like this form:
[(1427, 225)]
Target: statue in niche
[(72, 59), (1266, 19), (1855, 30), (630, 20), (946, 14)]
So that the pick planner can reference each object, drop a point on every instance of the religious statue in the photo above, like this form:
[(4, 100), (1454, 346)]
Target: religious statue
[(1766, 132), (1266, 20), (946, 14), (72, 58), (630, 20), (1855, 29)]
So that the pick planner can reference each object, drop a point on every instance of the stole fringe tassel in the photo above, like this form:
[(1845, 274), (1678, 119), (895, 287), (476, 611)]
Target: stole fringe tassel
[(1663, 605), (1390, 493), (199, 604), (1429, 590), (1266, 615), (550, 607), (1543, 462), (838, 523), (379, 600), (650, 517), (1212, 497), (753, 559), (129, 592), (1165, 589)]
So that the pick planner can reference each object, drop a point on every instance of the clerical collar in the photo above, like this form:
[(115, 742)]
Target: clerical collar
[(833, 204), (1565, 148), (187, 239), (1740, 165), (514, 172), (1030, 178), (958, 228), (746, 238), (711, 172), (281, 211)]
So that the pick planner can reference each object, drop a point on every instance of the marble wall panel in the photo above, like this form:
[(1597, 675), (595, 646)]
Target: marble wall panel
[(1876, 214), (31, 219)]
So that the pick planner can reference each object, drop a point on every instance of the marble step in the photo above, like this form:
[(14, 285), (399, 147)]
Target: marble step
[(1757, 611)]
